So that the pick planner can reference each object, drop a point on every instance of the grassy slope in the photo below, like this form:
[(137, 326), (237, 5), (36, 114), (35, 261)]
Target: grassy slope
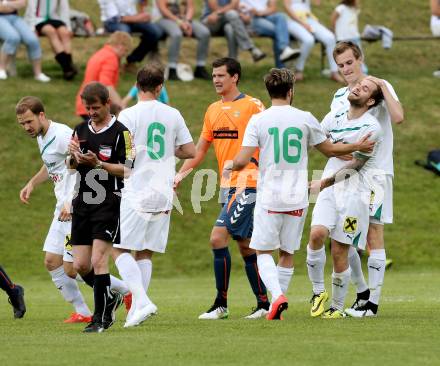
[(412, 240), (176, 337)]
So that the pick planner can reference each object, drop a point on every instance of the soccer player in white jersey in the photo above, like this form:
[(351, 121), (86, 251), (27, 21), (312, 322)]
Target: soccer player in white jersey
[(283, 134), (53, 139), (342, 211), (348, 57), (159, 134)]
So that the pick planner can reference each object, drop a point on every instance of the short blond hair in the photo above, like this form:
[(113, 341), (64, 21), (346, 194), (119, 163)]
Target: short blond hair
[(34, 104), (120, 38)]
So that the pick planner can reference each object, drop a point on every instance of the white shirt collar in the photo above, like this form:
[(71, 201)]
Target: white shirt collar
[(112, 121)]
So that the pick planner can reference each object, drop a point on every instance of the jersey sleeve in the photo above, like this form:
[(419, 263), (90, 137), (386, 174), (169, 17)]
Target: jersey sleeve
[(326, 123), (124, 148), (125, 119), (258, 106), (250, 138), (339, 99), (183, 136), (64, 140), (376, 136), (207, 128), (339, 9), (316, 135), (391, 90)]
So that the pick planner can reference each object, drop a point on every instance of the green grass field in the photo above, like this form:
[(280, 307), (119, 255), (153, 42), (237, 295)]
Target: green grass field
[(406, 331)]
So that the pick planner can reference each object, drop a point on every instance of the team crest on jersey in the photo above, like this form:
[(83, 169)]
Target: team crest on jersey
[(350, 225), (105, 152), (236, 114)]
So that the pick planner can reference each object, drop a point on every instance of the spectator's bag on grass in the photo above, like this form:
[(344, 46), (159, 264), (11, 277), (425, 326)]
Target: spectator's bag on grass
[(432, 163)]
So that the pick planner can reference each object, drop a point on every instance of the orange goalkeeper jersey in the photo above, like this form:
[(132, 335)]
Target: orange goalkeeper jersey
[(224, 125)]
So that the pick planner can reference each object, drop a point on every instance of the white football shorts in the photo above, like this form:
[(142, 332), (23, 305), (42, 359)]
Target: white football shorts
[(58, 239), (143, 230), (381, 205), (277, 230), (344, 214)]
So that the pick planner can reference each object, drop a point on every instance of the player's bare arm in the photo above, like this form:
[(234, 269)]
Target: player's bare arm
[(65, 214), (241, 160), (330, 150), (190, 164), (355, 164), (186, 151), (74, 151), (37, 179), (394, 107)]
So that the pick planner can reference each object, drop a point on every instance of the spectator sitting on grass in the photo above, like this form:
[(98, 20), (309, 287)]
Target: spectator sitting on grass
[(265, 21), (13, 30), (306, 28), (176, 19), (52, 19), (122, 15), (222, 17)]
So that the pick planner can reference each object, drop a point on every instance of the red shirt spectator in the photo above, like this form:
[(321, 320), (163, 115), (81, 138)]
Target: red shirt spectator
[(103, 67)]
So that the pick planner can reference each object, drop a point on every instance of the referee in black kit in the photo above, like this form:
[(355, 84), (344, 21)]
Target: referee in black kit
[(101, 151)]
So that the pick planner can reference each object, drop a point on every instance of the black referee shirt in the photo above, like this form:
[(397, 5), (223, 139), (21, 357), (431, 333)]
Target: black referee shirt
[(112, 145)]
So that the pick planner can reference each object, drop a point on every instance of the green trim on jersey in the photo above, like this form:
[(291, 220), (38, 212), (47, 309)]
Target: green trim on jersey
[(349, 129), (340, 95), (47, 145), (340, 115), (361, 156), (378, 213), (356, 240)]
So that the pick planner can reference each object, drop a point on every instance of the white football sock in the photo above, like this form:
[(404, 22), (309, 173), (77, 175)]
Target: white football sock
[(146, 267), (357, 276), (315, 266), (132, 276), (269, 274), (376, 273), (118, 285), (69, 290), (284, 276), (340, 282)]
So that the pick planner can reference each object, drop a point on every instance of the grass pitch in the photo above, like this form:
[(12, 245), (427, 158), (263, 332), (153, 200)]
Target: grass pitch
[(405, 332)]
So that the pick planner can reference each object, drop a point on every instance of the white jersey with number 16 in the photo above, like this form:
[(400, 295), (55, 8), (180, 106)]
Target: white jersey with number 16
[(283, 134)]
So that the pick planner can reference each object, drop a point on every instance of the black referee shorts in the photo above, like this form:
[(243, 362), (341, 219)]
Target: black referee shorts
[(99, 222)]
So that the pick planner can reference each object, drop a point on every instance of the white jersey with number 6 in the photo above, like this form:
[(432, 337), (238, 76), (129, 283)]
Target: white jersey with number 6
[(157, 129), (283, 134)]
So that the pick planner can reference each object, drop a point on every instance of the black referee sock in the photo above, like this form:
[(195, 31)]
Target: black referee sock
[(101, 291), (255, 280), (5, 282), (89, 278)]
